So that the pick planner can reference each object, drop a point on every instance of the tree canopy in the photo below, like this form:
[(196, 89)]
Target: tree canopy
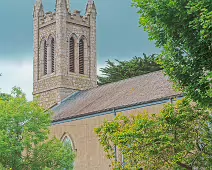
[(4, 96), (177, 138), (180, 136), (183, 29), (24, 132), (120, 70)]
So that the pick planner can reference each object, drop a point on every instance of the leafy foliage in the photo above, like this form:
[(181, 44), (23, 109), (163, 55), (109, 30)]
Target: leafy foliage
[(177, 138), (126, 69), (183, 28), (44, 156), (24, 130), (4, 96), (180, 137)]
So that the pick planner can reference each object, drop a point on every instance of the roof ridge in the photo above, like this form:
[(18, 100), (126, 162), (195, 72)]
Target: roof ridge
[(128, 78)]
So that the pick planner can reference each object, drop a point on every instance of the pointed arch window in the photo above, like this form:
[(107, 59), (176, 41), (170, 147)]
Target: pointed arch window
[(45, 57), (67, 141), (71, 54), (81, 56), (52, 55)]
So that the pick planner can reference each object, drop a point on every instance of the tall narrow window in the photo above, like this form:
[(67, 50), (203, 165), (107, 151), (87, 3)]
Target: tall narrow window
[(81, 57), (67, 141), (45, 57), (52, 51), (71, 55)]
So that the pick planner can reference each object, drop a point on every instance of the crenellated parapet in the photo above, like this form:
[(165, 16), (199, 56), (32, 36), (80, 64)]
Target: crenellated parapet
[(77, 18), (71, 17), (74, 18), (47, 19)]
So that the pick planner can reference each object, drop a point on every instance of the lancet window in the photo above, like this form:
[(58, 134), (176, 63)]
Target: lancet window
[(81, 56), (71, 54), (52, 56), (45, 57)]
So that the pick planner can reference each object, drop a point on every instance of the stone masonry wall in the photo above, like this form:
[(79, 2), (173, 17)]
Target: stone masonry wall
[(61, 25), (47, 99), (52, 97)]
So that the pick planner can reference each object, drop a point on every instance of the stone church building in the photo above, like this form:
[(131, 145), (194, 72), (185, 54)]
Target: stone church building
[(65, 79)]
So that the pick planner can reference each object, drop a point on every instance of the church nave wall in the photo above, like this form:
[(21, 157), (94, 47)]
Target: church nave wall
[(90, 154)]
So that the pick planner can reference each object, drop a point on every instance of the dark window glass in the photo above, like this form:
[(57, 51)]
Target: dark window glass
[(52, 50), (81, 57), (45, 57), (71, 55)]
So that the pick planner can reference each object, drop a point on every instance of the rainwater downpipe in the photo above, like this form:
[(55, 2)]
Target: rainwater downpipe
[(171, 100)]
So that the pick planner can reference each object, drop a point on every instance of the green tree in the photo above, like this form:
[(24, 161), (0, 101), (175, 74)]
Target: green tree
[(4, 96), (183, 28), (177, 138), (120, 70), (24, 131)]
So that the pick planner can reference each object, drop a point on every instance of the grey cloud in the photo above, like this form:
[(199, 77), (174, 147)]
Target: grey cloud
[(118, 32)]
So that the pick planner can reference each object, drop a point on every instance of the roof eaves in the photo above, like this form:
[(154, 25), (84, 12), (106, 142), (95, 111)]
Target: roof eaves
[(119, 107)]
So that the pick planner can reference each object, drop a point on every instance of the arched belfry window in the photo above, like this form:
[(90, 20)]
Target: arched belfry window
[(45, 57), (52, 55), (81, 56), (71, 54)]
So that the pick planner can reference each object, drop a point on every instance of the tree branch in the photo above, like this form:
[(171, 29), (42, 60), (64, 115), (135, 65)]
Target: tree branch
[(184, 166)]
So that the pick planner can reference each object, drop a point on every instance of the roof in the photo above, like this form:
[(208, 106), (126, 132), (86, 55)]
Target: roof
[(141, 89)]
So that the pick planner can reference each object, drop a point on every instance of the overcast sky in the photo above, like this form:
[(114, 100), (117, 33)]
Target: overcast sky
[(118, 37)]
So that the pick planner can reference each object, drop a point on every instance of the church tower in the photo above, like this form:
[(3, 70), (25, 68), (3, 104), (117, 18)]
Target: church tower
[(64, 52)]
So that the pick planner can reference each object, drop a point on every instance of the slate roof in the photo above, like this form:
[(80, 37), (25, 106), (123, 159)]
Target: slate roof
[(141, 89)]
